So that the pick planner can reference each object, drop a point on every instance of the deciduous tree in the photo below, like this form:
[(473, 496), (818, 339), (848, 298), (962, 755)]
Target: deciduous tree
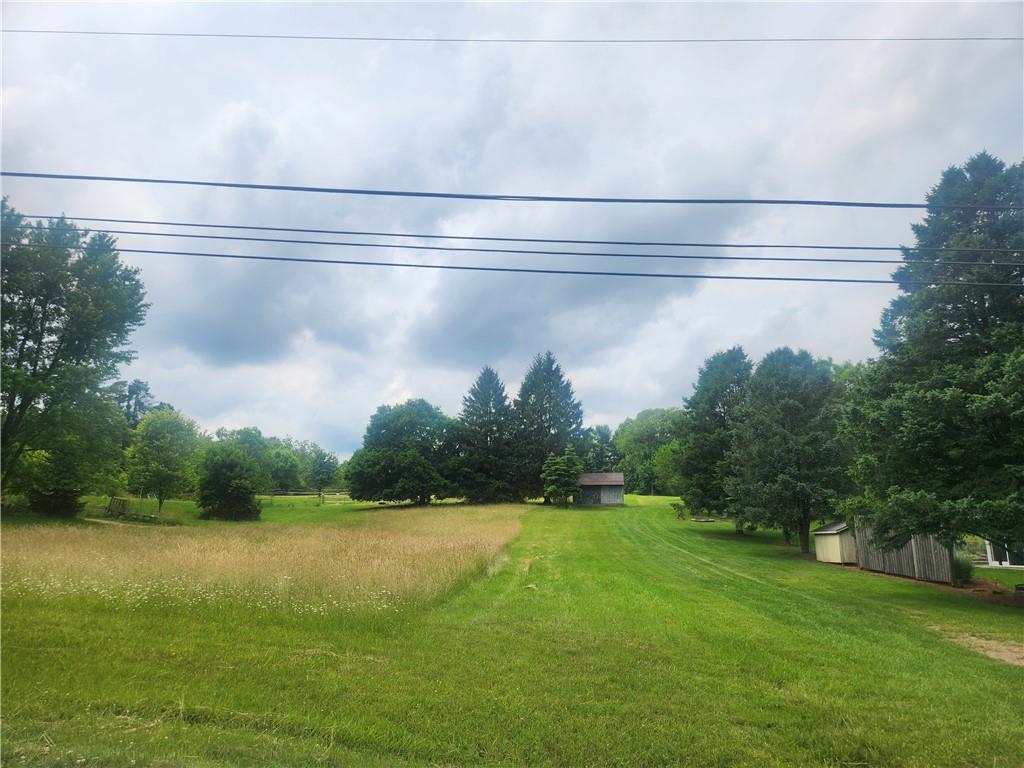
[(161, 460)]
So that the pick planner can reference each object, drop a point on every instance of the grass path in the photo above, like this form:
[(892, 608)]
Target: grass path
[(612, 637)]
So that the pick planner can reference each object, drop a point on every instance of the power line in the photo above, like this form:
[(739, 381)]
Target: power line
[(538, 252), (508, 198), (420, 236), (529, 40), (538, 271)]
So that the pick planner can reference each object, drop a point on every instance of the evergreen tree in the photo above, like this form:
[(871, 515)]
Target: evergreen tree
[(937, 421), (560, 476), (547, 418), (788, 465), (484, 462), (600, 453), (704, 447)]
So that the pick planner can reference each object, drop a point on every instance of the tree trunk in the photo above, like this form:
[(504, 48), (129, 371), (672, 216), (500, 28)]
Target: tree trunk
[(787, 535), (159, 504), (805, 536), (739, 526)]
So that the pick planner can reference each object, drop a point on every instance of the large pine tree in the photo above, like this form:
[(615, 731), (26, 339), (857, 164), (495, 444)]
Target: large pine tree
[(547, 419), (484, 463), (937, 420), (704, 449)]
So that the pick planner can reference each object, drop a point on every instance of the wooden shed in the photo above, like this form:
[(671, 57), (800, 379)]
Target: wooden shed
[(601, 488), (835, 543)]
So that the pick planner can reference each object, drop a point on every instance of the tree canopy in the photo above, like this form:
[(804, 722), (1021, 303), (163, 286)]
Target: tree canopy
[(638, 440), (704, 448), (484, 463), (69, 306), (937, 421), (161, 460), (547, 419), (788, 464)]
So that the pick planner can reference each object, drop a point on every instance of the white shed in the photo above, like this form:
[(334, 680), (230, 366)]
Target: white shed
[(835, 543)]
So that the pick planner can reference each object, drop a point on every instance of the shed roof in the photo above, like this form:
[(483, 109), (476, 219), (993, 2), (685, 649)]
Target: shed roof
[(837, 527), (601, 478)]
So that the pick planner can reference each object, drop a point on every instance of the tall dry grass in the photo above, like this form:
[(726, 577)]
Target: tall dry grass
[(393, 556)]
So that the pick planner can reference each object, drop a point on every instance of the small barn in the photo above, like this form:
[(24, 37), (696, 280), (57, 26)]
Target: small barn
[(835, 543), (601, 488)]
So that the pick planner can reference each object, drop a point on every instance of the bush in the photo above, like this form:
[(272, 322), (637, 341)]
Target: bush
[(56, 503), (228, 481), (963, 568)]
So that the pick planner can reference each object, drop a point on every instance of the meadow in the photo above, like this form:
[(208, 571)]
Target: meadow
[(386, 636)]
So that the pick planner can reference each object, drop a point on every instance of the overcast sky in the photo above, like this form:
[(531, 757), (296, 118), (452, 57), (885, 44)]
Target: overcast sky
[(312, 350)]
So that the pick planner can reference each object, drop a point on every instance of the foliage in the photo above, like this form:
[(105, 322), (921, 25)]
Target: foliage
[(547, 418), (963, 568), (402, 449), (704, 450), (937, 421), (228, 482), (285, 469), (322, 468), (162, 456), (788, 464), (599, 451), (484, 460), (83, 434), (638, 440), (68, 308), (560, 476), (135, 400), (667, 464)]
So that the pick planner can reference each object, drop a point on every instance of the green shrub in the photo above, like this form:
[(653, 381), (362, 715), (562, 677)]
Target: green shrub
[(55, 503), (963, 568), (228, 481)]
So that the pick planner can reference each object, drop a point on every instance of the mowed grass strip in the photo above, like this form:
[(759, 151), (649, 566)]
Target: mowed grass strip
[(607, 637)]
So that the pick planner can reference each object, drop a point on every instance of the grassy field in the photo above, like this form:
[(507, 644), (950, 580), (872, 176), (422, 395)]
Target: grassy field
[(507, 635)]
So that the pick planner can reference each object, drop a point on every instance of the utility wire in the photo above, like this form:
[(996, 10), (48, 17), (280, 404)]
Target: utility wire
[(536, 252), (419, 236), (531, 40), (508, 198), (537, 271)]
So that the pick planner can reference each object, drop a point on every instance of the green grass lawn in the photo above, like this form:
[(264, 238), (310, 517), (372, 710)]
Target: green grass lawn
[(1008, 577), (616, 636)]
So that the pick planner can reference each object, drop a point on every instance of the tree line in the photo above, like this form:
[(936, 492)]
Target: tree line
[(928, 437), (494, 450), (69, 307)]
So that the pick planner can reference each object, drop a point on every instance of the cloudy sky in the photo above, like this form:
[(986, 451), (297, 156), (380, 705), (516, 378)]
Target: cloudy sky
[(312, 350)]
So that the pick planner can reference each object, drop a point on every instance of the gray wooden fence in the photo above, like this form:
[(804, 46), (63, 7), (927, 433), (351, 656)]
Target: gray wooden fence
[(923, 557)]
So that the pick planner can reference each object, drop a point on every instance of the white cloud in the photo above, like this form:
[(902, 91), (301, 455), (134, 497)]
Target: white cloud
[(312, 351)]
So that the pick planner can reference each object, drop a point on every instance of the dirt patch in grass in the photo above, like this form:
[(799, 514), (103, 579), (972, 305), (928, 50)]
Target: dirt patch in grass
[(1007, 651)]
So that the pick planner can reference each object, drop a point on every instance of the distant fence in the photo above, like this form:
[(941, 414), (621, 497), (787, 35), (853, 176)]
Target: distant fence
[(923, 557)]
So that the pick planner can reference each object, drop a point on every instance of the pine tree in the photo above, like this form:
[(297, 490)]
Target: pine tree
[(484, 463), (547, 418), (704, 449), (937, 420), (788, 463), (560, 476)]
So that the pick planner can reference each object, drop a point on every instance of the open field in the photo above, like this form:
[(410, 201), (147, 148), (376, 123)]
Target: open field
[(562, 637)]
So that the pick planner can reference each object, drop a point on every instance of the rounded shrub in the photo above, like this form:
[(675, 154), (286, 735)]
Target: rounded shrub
[(228, 481), (963, 568)]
